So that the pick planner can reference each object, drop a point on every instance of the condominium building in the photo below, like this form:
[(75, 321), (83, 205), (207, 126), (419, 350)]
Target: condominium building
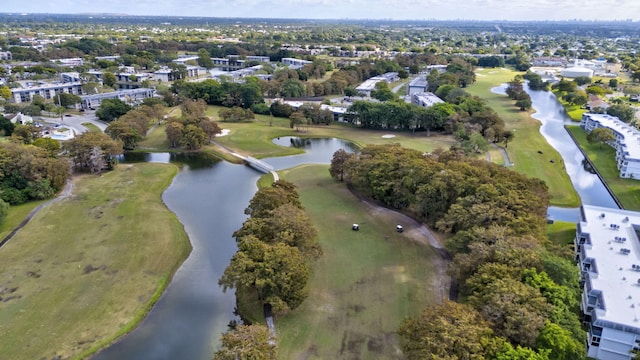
[(295, 63), (626, 143), (370, 84), (608, 254), (131, 96), (29, 89), (426, 99)]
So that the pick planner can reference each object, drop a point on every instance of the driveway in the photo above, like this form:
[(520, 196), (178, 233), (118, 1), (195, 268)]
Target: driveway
[(75, 121)]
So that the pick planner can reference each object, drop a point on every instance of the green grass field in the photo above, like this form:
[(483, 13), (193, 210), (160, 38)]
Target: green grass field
[(255, 138), (527, 139), (86, 269), (364, 284), (603, 158), (561, 233), (574, 111)]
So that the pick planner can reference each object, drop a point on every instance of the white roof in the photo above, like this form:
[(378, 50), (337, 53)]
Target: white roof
[(630, 141), (616, 277)]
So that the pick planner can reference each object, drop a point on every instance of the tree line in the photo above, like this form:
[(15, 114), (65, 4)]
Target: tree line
[(276, 245), (519, 292)]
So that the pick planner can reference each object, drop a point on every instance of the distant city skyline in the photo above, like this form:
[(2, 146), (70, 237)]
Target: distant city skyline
[(341, 9)]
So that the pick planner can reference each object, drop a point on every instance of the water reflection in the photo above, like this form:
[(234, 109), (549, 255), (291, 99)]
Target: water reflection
[(195, 160), (209, 197), (553, 118)]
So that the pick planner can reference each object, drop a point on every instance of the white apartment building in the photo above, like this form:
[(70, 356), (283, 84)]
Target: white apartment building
[(426, 99), (370, 84), (626, 143), (295, 63), (608, 255), (130, 96), (29, 89)]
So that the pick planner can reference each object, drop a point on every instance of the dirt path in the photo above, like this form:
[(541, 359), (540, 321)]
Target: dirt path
[(418, 232), (65, 193)]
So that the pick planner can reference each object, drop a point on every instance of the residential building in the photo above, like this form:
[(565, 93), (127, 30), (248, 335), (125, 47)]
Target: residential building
[(130, 96), (29, 89), (295, 63), (264, 59), (6, 55), (370, 84), (70, 77), (127, 81), (425, 99), (417, 85), (626, 142), (607, 251), (549, 61)]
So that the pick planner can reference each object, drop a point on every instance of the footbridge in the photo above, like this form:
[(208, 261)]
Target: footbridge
[(258, 165)]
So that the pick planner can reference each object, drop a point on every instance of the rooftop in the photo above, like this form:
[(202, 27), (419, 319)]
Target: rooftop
[(630, 141), (616, 250)]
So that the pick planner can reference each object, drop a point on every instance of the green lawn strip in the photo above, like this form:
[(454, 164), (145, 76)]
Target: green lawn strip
[(155, 140), (604, 159), (91, 127), (16, 215), (561, 233), (364, 284), (573, 111), (523, 150), (87, 269)]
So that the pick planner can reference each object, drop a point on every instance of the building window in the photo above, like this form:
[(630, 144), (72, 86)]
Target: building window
[(595, 340)]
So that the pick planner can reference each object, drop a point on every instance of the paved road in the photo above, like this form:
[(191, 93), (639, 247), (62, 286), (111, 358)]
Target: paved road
[(75, 121)]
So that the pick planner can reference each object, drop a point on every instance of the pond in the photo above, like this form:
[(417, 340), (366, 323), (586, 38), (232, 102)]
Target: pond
[(209, 197), (553, 118)]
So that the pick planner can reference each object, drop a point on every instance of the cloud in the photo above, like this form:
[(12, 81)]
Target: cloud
[(400, 9)]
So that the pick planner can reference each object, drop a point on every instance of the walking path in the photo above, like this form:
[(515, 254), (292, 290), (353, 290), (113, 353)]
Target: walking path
[(66, 192)]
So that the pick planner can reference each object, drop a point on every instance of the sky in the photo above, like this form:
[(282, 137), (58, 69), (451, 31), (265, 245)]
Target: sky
[(342, 9)]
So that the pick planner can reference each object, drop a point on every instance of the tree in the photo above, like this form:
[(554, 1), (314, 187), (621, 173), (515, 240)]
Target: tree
[(448, 331), (204, 58), (524, 104), (4, 210), (111, 109), (582, 80), (296, 119), (66, 100), (174, 131), (521, 353), (336, 169), (26, 134), (613, 83), (250, 342), (82, 150), (507, 136), (109, 79), (125, 132), (623, 112), (193, 137), (5, 92), (52, 146), (600, 136), (6, 126), (278, 273), (210, 128), (560, 343), (383, 92)]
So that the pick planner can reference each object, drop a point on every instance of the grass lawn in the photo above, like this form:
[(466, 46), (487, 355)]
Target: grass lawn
[(364, 284), (603, 158), (574, 111), (86, 269), (91, 127), (16, 214), (155, 140), (527, 139), (255, 137), (561, 233)]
